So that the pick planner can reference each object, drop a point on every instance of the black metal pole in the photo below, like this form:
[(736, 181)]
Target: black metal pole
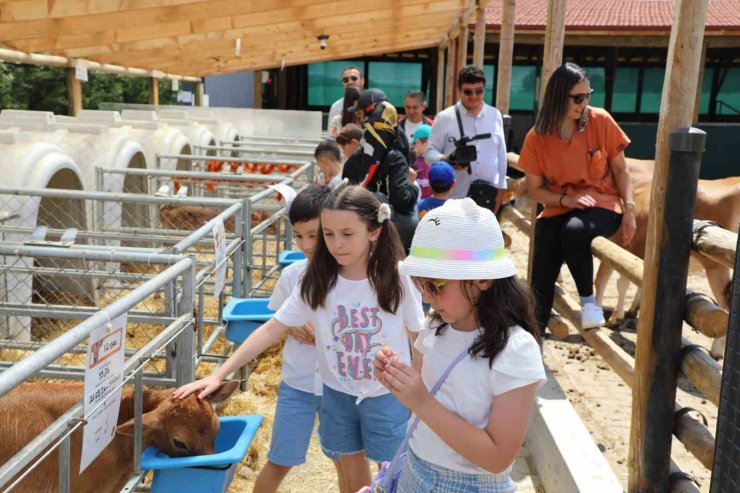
[(686, 147), (507, 128)]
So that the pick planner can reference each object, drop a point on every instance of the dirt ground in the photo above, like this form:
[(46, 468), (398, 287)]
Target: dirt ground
[(599, 396)]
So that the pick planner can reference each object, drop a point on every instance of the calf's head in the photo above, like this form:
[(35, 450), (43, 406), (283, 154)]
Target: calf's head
[(182, 427)]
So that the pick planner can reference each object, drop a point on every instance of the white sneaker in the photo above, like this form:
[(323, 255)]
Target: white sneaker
[(592, 316)]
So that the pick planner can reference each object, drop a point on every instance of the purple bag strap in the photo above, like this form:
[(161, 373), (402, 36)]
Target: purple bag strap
[(415, 422)]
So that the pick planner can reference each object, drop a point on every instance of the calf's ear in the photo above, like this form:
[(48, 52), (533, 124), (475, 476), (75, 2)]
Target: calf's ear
[(224, 391), (149, 421)]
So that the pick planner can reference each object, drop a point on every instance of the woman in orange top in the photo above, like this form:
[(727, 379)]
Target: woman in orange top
[(574, 163)]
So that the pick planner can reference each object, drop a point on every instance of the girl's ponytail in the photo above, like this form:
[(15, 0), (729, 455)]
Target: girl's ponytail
[(382, 268)]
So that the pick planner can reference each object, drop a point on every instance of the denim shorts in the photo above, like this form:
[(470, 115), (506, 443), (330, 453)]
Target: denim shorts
[(376, 425), (294, 419), (420, 476)]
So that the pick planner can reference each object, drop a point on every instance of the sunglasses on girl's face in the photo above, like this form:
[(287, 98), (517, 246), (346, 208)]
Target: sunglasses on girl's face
[(433, 288), (579, 98), (470, 92), (352, 78)]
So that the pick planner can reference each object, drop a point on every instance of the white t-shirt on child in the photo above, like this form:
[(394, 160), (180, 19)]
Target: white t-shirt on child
[(300, 369), (471, 386), (351, 328)]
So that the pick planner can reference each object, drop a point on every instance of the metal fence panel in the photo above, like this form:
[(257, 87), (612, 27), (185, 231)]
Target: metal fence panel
[(726, 470)]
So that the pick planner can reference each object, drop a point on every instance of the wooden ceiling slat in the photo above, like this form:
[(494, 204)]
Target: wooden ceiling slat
[(214, 68), (245, 13), (200, 45), (197, 37)]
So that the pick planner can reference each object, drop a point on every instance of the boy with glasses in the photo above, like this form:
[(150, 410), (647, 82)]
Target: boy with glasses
[(470, 136)]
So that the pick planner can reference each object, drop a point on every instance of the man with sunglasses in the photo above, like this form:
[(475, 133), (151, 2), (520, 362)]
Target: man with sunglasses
[(351, 76), (470, 136)]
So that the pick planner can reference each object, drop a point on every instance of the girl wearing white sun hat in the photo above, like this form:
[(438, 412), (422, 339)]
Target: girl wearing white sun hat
[(472, 423)]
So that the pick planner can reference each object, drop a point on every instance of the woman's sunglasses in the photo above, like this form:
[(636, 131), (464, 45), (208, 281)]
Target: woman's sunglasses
[(470, 92), (352, 78), (579, 98), (433, 288)]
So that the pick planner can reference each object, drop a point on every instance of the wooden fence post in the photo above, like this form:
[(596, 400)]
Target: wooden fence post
[(74, 92), (479, 43), (554, 38), (654, 391), (450, 75), (199, 90), (505, 56), (154, 91), (439, 103)]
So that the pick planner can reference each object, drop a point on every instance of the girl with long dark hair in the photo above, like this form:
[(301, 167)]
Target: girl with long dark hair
[(351, 95), (480, 349), (355, 298), (574, 164)]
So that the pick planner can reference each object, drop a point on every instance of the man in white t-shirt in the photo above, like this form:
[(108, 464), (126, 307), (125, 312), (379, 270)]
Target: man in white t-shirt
[(299, 394), (414, 105), (351, 76)]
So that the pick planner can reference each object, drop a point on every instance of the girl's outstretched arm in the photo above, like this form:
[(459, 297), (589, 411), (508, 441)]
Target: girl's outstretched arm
[(265, 336), (493, 448)]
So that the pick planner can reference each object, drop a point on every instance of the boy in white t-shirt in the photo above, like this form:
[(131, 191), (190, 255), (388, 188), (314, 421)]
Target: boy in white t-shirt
[(300, 391)]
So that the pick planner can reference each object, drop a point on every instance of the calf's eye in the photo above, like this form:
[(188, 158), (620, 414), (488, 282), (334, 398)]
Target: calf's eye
[(179, 445)]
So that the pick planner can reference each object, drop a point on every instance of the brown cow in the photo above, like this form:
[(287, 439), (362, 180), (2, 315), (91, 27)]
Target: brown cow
[(192, 217), (177, 427), (716, 200)]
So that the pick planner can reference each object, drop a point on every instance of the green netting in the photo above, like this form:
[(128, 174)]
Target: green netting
[(395, 79), (652, 89), (324, 81), (523, 79), (706, 90), (728, 99), (598, 84), (624, 97), (490, 73)]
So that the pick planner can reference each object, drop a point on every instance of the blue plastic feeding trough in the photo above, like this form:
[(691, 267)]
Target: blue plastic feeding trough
[(287, 257), (204, 473), (243, 316)]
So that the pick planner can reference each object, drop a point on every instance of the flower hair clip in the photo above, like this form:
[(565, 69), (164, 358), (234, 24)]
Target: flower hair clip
[(384, 213)]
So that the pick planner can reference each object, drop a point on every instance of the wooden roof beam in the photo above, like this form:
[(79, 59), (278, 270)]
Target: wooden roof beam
[(267, 62), (462, 20), (58, 61), (27, 10), (226, 46), (219, 15)]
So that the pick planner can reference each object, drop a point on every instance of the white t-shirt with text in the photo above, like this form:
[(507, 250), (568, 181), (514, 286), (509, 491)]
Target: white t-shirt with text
[(471, 386), (351, 327), (300, 368)]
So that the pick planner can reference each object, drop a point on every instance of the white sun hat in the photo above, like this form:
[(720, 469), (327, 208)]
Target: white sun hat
[(458, 240)]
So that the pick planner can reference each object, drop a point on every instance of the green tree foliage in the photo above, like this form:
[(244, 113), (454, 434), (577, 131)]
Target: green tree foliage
[(32, 87)]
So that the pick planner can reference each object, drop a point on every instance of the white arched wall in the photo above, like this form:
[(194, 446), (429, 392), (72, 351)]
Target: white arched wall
[(36, 165)]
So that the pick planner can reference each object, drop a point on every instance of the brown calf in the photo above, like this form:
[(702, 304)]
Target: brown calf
[(177, 427), (192, 217), (716, 200)]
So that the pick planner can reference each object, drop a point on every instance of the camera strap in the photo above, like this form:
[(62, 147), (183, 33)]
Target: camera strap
[(462, 132)]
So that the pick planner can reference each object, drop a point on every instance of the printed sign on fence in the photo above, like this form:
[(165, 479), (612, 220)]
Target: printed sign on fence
[(219, 243), (81, 71), (103, 374), (286, 191)]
